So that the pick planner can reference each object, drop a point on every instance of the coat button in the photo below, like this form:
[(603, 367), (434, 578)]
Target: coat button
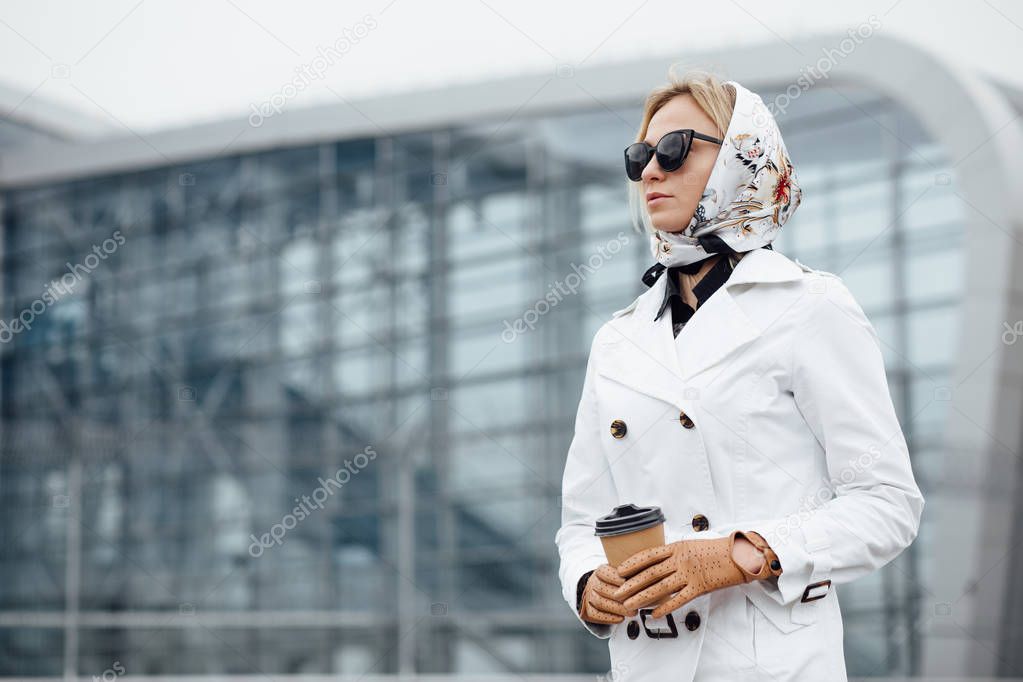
[(685, 420), (665, 247), (618, 428), (692, 620), (700, 522), (632, 630)]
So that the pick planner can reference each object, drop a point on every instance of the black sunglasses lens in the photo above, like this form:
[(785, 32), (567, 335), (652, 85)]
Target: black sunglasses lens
[(671, 151), (637, 156)]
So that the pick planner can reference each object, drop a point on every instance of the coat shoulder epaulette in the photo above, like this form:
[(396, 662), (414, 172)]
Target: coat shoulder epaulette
[(807, 268)]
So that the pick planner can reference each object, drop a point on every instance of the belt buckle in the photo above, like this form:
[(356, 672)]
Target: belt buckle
[(670, 633), (806, 592)]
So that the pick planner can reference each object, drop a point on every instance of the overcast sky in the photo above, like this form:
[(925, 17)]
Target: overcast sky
[(152, 64)]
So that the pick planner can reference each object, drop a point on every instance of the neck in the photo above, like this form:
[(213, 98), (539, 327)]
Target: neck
[(687, 282)]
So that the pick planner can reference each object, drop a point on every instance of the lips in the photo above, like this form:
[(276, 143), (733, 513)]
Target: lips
[(651, 196)]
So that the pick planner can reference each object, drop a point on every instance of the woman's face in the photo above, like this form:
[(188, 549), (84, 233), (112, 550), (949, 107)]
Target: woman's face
[(684, 186)]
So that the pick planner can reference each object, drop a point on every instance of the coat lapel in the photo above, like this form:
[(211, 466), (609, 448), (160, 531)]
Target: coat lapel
[(641, 352)]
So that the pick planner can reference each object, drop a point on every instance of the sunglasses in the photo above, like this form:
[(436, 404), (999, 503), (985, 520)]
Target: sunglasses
[(671, 150)]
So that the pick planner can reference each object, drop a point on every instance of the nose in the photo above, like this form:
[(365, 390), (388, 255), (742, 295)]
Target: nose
[(653, 170)]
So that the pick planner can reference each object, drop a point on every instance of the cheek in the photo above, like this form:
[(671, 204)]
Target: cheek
[(689, 187), (696, 171), (689, 182)]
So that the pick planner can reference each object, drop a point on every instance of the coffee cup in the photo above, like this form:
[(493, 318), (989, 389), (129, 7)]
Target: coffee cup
[(629, 529)]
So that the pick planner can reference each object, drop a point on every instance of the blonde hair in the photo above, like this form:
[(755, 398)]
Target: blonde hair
[(710, 92)]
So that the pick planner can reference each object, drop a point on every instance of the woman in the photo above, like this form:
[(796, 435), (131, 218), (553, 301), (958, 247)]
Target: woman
[(756, 415)]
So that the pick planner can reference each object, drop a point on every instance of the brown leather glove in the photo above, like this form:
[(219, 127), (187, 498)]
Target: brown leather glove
[(688, 569), (597, 604)]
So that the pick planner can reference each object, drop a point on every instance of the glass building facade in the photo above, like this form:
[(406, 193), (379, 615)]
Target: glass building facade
[(265, 413)]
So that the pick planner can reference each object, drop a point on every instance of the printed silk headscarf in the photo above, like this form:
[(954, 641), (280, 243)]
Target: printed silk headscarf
[(750, 194)]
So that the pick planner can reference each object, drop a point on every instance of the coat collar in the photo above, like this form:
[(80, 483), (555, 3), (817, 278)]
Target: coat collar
[(642, 352)]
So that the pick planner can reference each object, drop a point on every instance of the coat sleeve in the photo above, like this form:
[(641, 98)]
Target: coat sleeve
[(839, 383), (587, 493)]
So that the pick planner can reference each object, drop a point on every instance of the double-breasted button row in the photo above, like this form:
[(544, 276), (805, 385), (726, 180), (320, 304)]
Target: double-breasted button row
[(619, 428)]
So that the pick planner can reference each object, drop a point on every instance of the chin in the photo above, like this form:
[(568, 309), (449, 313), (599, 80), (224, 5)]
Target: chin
[(670, 222)]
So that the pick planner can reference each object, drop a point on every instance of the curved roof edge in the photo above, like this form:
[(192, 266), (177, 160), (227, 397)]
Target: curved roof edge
[(607, 83), (49, 119)]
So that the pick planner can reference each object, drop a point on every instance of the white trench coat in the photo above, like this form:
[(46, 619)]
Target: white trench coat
[(791, 432)]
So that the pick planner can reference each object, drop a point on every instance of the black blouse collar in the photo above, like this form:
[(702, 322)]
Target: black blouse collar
[(708, 284), (655, 270)]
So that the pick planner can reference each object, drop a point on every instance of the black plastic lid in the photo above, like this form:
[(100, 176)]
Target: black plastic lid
[(628, 518)]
